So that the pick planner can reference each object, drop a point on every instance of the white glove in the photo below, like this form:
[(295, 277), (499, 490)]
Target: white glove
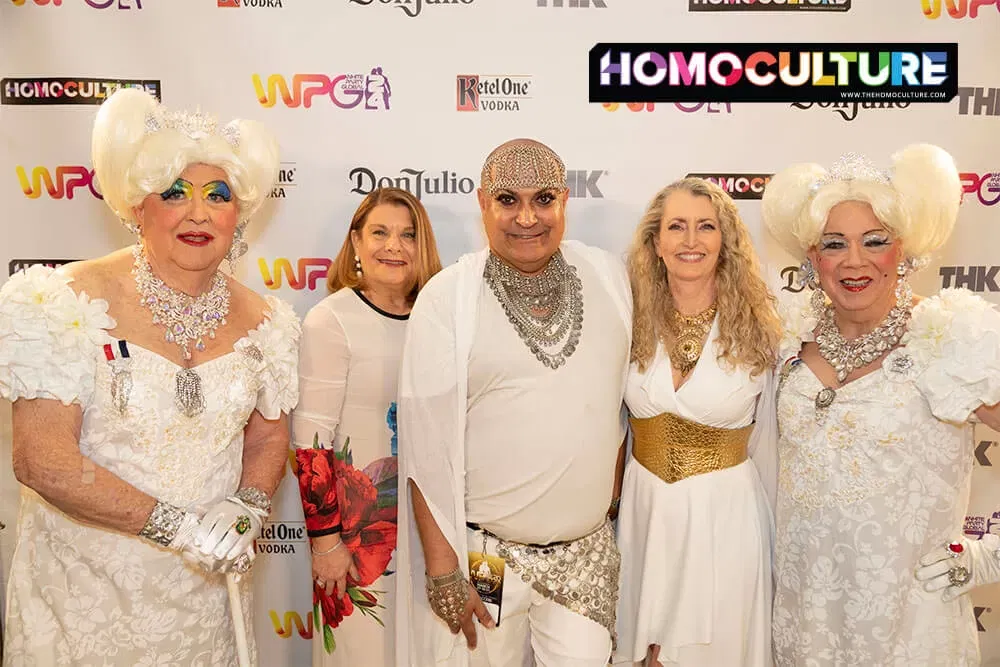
[(219, 534), (960, 567)]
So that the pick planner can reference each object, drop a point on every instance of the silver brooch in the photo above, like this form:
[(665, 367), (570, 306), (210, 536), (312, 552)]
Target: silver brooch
[(824, 398)]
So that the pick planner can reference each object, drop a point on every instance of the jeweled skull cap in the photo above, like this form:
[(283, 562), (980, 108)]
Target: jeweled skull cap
[(523, 164)]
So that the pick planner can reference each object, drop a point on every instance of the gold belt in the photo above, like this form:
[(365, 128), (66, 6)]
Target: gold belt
[(673, 448)]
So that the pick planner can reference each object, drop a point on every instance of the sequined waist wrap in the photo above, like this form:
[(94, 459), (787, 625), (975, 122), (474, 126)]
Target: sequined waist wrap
[(674, 448), (581, 574)]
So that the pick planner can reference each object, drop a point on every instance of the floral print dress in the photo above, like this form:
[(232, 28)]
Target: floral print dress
[(81, 594), (344, 434), (870, 483)]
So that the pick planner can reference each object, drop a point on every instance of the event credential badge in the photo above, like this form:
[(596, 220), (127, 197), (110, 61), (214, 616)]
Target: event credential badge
[(486, 575)]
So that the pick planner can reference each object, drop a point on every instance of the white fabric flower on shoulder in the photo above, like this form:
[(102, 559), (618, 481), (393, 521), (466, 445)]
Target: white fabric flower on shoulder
[(278, 340), (797, 323), (48, 335)]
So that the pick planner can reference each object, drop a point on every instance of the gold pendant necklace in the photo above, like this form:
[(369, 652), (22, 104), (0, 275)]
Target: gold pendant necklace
[(690, 338)]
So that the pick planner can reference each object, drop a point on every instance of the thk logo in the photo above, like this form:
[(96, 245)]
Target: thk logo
[(596, 4), (985, 101), (583, 184), (975, 278), (979, 611)]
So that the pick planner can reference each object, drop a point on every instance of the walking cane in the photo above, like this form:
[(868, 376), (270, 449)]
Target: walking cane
[(239, 625)]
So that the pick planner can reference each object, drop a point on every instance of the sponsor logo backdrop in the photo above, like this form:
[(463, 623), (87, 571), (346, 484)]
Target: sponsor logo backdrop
[(364, 93)]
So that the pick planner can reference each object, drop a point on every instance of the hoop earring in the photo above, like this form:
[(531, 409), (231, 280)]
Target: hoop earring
[(238, 247), (357, 266)]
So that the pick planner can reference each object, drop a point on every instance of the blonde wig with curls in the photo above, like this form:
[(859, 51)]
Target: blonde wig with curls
[(749, 328), (917, 199)]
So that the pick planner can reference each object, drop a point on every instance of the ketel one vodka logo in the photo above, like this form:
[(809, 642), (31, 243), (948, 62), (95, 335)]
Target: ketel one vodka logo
[(492, 92)]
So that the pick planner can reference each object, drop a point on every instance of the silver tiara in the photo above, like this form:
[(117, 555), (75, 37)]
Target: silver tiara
[(196, 125), (852, 167)]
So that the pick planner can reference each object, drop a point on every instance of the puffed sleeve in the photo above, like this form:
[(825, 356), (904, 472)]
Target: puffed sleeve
[(278, 341), (50, 337), (955, 337)]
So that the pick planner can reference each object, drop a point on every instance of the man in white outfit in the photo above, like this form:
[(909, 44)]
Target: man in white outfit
[(511, 437)]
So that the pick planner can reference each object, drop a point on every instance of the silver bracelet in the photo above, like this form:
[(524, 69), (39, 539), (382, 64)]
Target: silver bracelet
[(255, 498), (162, 524), (339, 544)]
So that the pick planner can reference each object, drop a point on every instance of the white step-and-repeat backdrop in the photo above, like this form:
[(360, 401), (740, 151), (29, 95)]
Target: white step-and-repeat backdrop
[(415, 93)]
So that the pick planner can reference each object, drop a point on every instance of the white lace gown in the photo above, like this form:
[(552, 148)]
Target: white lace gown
[(696, 554), (874, 483), (83, 595)]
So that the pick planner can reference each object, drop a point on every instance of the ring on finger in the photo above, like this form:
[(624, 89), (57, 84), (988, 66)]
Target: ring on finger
[(959, 576)]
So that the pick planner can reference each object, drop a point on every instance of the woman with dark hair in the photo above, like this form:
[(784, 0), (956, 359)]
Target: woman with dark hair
[(344, 429)]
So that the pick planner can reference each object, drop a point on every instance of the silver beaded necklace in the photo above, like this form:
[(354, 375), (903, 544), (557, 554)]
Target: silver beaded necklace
[(847, 355), (186, 319), (545, 309)]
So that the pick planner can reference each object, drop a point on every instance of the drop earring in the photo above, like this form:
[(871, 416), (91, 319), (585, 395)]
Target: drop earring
[(357, 266)]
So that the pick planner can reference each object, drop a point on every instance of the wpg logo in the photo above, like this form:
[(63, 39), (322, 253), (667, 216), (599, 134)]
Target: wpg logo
[(63, 183), (310, 271), (345, 91), (957, 9)]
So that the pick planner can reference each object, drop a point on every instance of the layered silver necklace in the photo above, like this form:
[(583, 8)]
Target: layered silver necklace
[(845, 355), (545, 309), (186, 318)]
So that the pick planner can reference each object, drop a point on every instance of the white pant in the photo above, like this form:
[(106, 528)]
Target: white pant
[(534, 631)]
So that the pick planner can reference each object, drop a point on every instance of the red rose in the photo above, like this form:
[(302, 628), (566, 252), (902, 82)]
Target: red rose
[(333, 609), (318, 489)]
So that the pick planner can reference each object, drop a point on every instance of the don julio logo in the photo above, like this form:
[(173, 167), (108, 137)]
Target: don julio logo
[(768, 5), (492, 92), (286, 180), (985, 101), (976, 278), (738, 186), (849, 110), (412, 8), (415, 181)]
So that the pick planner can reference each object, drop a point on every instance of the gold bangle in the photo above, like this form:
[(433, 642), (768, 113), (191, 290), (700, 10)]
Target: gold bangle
[(336, 546)]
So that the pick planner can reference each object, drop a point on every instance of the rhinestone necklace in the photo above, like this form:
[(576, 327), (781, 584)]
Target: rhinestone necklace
[(186, 318), (690, 339), (847, 355), (544, 309)]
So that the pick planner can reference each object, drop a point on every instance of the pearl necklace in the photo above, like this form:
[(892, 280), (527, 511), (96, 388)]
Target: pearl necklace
[(186, 318)]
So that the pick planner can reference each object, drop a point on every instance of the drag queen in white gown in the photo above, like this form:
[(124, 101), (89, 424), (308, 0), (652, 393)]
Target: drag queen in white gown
[(877, 394), (695, 521), (150, 400)]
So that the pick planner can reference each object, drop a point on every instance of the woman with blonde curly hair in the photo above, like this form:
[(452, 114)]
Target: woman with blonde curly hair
[(696, 524)]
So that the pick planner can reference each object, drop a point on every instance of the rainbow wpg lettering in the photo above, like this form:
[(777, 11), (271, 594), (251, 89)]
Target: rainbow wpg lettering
[(292, 617), (957, 9), (311, 270), (65, 182), (345, 91)]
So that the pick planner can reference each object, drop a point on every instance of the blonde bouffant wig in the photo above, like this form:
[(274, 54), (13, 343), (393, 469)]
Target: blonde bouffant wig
[(749, 328), (140, 148), (918, 200)]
